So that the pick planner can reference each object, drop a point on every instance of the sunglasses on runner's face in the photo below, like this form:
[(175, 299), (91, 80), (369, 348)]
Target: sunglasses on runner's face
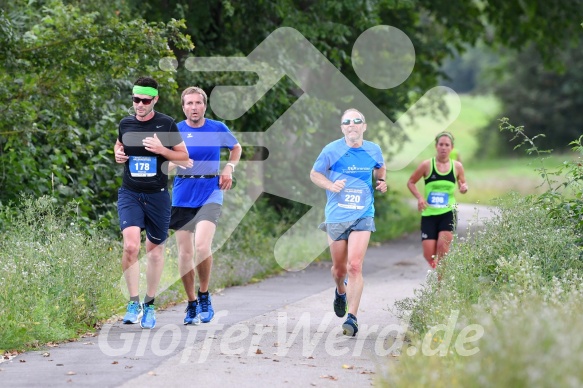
[(355, 121), (145, 101)]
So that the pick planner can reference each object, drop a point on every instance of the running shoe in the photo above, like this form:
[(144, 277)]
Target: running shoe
[(149, 318), (133, 312), (340, 305), (205, 307), (350, 326), (192, 317)]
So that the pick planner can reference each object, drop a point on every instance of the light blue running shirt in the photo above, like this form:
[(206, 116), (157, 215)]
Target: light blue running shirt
[(204, 148), (339, 161)]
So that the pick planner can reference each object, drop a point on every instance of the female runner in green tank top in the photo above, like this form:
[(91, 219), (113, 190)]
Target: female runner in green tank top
[(442, 175)]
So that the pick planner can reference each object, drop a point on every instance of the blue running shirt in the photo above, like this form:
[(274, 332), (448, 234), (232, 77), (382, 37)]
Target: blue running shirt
[(204, 148), (339, 161)]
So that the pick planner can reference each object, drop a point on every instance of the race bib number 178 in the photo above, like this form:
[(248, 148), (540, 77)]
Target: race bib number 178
[(142, 166)]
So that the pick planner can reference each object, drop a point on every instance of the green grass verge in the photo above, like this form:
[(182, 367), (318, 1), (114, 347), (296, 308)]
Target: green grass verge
[(55, 281), (515, 290)]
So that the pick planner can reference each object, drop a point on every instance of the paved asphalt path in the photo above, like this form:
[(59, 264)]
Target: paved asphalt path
[(281, 331)]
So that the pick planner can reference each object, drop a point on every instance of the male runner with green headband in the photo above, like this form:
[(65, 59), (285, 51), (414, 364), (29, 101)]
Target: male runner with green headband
[(146, 142)]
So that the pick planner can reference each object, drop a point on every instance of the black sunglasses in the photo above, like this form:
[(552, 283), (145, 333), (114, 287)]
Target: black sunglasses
[(145, 101), (355, 121)]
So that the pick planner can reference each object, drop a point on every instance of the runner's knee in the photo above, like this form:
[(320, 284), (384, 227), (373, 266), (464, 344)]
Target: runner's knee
[(339, 271), (131, 249), (354, 268)]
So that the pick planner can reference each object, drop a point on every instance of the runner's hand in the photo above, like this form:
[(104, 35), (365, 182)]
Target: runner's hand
[(120, 156), (226, 179), (382, 186), (337, 186), (153, 144)]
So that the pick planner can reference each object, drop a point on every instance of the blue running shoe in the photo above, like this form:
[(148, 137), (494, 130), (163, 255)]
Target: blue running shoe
[(205, 307), (340, 305), (350, 326), (149, 318), (133, 312), (192, 317)]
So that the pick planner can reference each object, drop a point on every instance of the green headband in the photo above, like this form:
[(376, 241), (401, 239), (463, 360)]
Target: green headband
[(444, 134), (147, 90)]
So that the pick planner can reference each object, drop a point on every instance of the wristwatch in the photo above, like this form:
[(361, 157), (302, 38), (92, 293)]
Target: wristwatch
[(232, 166)]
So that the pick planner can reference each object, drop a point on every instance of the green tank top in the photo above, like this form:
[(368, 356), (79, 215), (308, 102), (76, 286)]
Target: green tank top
[(439, 190)]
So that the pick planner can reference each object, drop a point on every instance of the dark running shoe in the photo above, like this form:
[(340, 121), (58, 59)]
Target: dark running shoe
[(340, 305), (192, 317)]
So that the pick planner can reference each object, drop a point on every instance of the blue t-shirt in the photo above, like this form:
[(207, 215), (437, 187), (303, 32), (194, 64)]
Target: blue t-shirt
[(339, 161), (204, 148)]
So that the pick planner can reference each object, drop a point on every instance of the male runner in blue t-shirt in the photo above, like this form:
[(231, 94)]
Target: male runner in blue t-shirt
[(345, 168), (197, 198)]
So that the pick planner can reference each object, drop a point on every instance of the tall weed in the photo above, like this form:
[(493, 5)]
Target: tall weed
[(55, 279), (519, 277), (528, 343), (519, 250)]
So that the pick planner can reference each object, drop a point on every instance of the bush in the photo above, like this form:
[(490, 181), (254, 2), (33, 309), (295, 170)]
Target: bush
[(517, 252)]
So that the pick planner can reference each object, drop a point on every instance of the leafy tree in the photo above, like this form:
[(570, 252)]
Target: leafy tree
[(465, 72), (65, 84), (438, 29), (68, 69), (544, 100)]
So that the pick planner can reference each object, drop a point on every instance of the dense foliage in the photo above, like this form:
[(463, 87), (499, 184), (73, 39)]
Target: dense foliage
[(68, 67), (65, 83)]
